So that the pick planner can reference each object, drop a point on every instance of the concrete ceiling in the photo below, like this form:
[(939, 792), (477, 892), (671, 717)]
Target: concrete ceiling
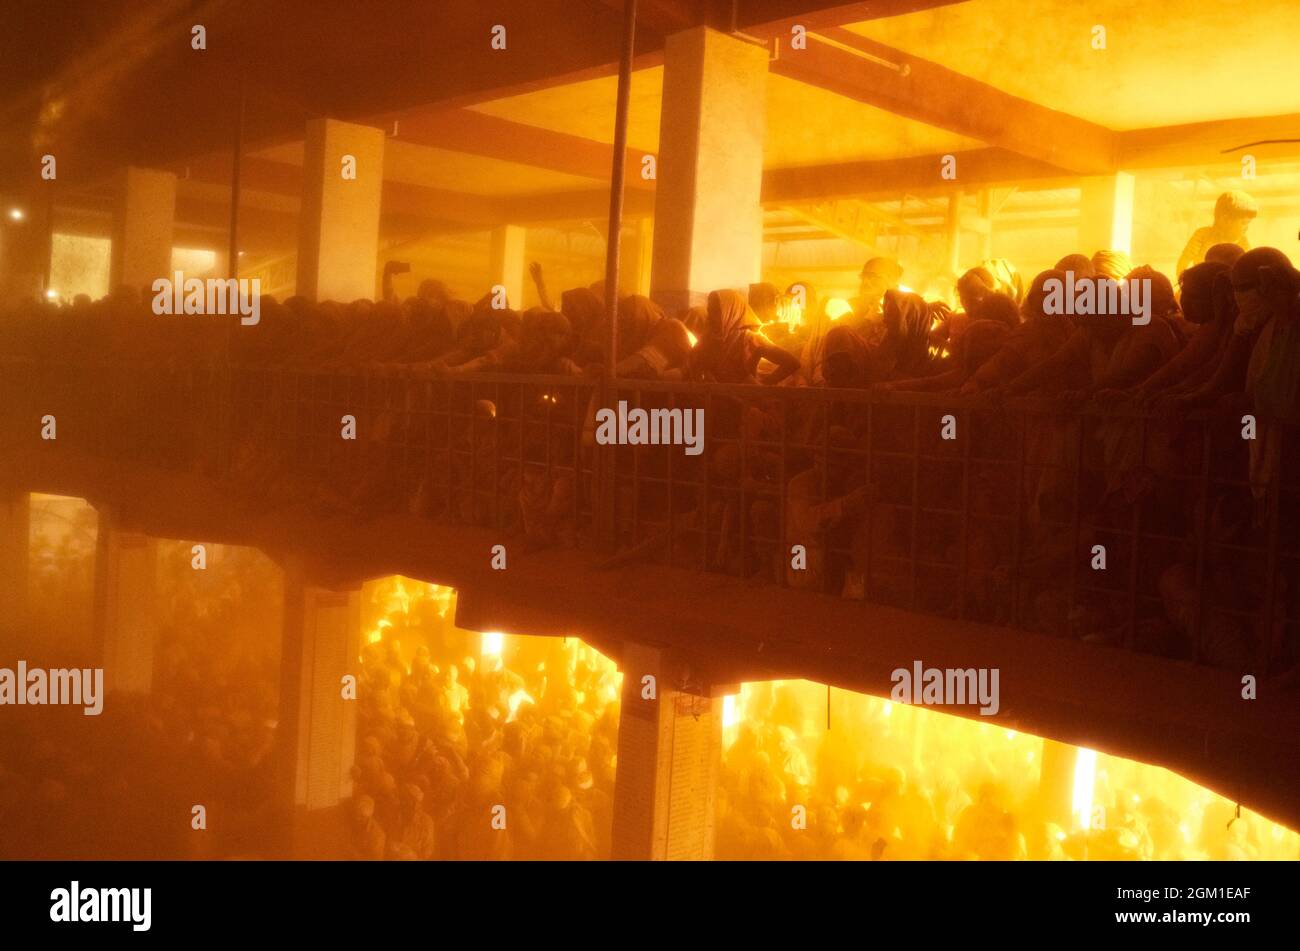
[(806, 125), (1166, 61)]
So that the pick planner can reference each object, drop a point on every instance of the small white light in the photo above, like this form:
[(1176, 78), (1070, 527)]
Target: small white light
[(16, 214), (52, 294)]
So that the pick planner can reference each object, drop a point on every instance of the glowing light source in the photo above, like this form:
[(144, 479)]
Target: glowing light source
[(730, 715), (694, 339), (492, 643), (1085, 775), (52, 294), (837, 307), (939, 752), (17, 214)]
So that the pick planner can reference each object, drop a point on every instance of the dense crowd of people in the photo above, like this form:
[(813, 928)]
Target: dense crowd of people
[(1222, 337), (887, 782), (123, 784), (473, 758), (476, 746)]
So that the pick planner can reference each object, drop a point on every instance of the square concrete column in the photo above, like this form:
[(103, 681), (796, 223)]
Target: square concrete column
[(708, 218), (342, 187), (15, 545), (635, 257), (144, 218), (126, 615), (507, 262), (669, 755), (317, 725), (1106, 213)]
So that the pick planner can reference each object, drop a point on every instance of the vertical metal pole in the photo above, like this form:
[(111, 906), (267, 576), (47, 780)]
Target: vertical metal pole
[(232, 271), (47, 251), (605, 479), (232, 263), (616, 182)]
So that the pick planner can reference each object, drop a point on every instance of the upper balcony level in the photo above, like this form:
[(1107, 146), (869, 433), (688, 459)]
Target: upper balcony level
[(1120, 570)]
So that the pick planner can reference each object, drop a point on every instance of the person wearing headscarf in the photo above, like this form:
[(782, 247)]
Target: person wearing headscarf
[(765, 300), (1080, 265), (1104, 352), (545, 344), (1113, 265), (1225, 253), (1130, 457), (1038, 336), (985, 296), (486, 341), (851, 358), (586, 315), (665, 355), (978, 343), (907, 319), (1266, 288), (1233, 213), (1208, 307), (638, 316), (734, 346)]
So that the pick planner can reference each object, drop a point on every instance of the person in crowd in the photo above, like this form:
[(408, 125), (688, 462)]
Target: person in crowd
[(734, 346), (878, 276), (1233, 213)]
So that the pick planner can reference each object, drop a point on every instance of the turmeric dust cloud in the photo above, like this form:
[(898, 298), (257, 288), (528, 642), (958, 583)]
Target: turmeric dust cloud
[(533, 722), (891, 781)]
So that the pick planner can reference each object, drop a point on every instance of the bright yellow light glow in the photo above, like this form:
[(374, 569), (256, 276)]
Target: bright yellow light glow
[(837, 307), (80, 264), (1085, 781), (16, 214), (694, 339), (492, 643), (52, 294), (944, 786), (730, 718)]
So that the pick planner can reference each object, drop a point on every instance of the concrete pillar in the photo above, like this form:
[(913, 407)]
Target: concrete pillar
[(985, 207), (1106, 213), (507, 262), (669, 755), (15, 543), (126, 618), (708, 217), (338, 241), (635, 256), (317, 725), (952, 232), (144, 218)]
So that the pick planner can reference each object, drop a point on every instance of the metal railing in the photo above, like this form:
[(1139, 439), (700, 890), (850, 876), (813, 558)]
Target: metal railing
[(1007, 522)]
